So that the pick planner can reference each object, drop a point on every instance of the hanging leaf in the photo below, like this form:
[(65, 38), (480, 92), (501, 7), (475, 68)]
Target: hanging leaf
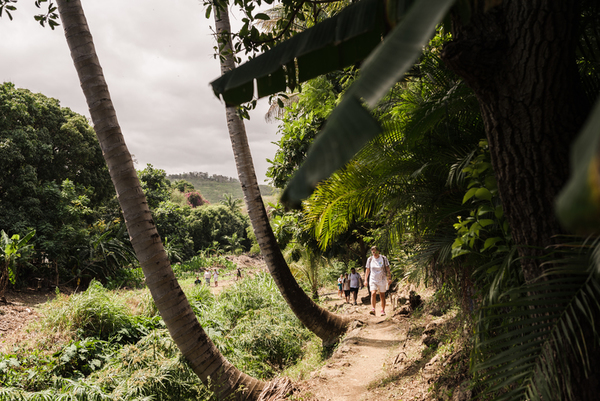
[(384, 67), (578, 204)]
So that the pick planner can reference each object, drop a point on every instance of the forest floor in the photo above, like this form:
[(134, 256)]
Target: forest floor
[(407, 355)]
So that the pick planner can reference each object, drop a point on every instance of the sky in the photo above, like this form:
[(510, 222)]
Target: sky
[(157, 59)]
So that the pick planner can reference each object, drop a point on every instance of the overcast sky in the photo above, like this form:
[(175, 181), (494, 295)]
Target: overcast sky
[(157, 58)]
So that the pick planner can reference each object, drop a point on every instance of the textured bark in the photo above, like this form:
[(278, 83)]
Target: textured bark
[(328, 326), (196, 346), (519, 58)]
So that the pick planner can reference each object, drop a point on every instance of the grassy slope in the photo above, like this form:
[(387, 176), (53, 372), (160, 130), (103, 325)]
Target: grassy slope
[(213, 191)]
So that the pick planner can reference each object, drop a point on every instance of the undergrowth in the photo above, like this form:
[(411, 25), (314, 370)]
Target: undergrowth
[(115, 345)]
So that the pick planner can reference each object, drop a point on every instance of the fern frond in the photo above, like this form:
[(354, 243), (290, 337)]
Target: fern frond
[(544, 328)]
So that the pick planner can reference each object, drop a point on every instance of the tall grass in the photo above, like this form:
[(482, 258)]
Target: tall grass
[(254, 328), (95, 312), (120, 350)]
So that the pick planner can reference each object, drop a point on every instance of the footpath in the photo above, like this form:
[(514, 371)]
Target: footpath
[(393, 357)]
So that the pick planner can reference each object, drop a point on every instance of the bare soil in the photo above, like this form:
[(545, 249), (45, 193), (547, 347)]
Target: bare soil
[(387, 357), (397, 357), (17, 311)]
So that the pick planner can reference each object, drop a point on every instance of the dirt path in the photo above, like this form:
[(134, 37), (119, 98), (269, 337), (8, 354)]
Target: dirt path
[(361, 358), (381, 357)]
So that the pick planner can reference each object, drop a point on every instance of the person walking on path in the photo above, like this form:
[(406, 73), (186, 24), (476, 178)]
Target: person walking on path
[(238, 274), (216, 277), (355, 284), (340, 282), (346, 287), (207, 277), (379, 277)]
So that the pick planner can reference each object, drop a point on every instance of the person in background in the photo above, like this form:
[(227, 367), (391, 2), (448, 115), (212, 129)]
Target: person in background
[(346, 287), (198, 281), (207, 277), (340, 282), (216, 277), (238, 274), (355, 283), (379, 277)]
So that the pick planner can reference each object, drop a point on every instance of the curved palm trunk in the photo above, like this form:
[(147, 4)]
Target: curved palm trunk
[(328, 326), (196, 346)]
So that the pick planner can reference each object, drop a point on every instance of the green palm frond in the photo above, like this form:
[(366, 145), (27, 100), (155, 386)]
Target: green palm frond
[(544, 327)]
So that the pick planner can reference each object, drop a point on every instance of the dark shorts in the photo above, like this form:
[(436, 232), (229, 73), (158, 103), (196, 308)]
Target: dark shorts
[(347, 293), (354, 290), (339, 287)]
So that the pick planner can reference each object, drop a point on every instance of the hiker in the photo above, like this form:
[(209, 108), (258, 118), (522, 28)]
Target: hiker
[(355, 284), (198, 281), (379, 277), (207, 277), (340, 282), (346, 287), (216, 277), (239, 274)]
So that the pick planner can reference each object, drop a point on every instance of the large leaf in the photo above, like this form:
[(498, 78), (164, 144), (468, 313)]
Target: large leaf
[(333, 44), (578, 205), (381, 71), (542, 324), (332, 148)]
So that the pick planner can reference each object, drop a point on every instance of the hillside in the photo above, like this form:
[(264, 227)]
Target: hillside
[(212, 187)]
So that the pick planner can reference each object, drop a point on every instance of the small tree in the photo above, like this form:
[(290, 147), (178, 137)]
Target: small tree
[(12, 249), (195, 199)]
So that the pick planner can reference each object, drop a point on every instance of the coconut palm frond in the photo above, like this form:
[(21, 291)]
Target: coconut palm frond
[(545, 327)]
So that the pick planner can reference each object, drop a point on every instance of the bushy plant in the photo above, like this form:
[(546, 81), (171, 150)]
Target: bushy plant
[(267, 342), (126, 277), (153, 368), (254, 328), (200, 298), (195, 199), (120, 349), (95, 312), (80, 358)]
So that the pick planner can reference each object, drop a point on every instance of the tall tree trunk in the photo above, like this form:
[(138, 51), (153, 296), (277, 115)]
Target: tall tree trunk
[(328, 326), (519, 58), (196, 346)]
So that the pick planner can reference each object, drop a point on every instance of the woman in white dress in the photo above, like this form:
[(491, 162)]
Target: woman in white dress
[(379, 277)]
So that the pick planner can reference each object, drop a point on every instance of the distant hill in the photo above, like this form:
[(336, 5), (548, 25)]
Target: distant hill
[(214, 186)]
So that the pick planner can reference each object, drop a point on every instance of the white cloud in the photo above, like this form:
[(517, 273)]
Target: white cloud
[(158, 61)]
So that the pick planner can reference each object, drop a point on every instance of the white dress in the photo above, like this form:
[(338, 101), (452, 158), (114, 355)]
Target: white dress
[(377, 274)]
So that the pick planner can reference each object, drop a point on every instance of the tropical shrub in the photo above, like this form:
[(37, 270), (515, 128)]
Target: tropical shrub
[(96, 312)]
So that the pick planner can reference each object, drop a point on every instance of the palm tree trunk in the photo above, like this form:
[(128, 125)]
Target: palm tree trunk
[(196, 346), (328, 326)]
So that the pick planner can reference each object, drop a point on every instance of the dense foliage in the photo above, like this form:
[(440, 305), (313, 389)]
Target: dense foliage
[(122, 353), (56, 184)]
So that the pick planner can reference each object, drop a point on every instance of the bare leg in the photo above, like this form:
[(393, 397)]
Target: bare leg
[(373, 298), (382, 301)]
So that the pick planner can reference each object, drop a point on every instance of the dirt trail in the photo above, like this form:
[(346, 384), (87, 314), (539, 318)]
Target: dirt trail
[(361, 358)]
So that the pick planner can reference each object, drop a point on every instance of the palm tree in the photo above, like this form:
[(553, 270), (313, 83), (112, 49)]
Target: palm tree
[(323, 323), (231, 203), (196, 346)]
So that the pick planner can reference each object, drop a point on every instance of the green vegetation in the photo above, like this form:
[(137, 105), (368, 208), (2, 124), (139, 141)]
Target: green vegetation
[(430, 153), (114, 345), (215, 187), (449, 153)]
